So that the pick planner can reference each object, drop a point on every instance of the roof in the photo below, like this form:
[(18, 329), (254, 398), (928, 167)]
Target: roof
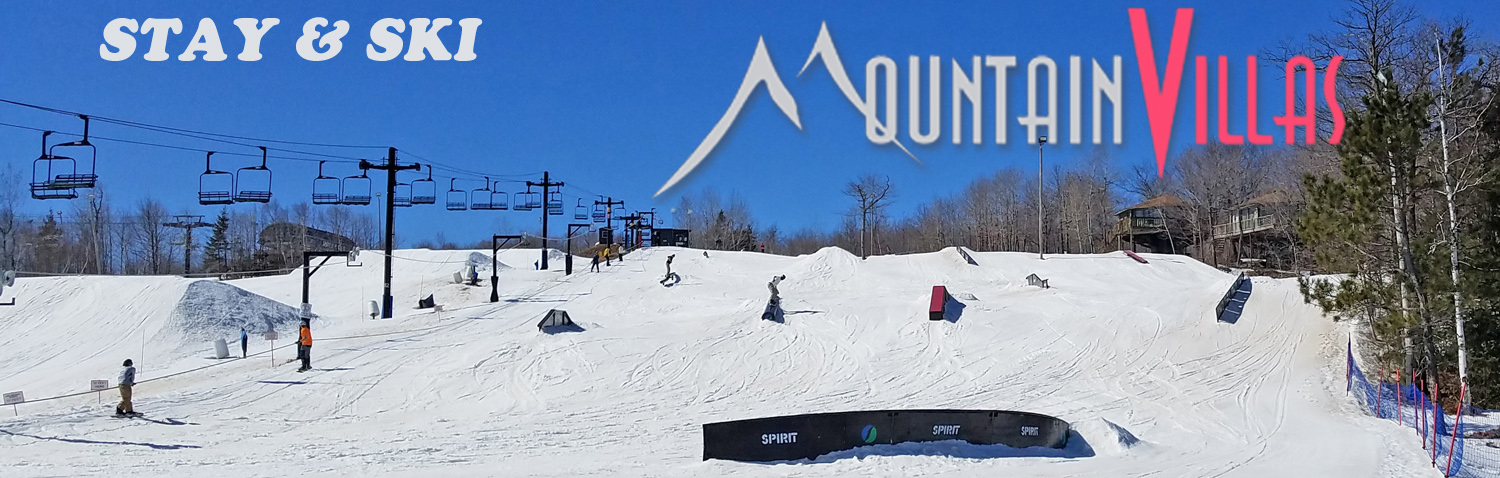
[(1272, 198), (1165, 200)]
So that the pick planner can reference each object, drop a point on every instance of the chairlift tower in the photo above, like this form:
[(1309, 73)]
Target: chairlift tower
[(547, 206), (187, 222), (609, 206), (391, 168)]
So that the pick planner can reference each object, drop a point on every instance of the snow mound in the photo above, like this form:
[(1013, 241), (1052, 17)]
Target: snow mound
[(210, 309), (828, 266), (481, 261), (1105, 437)]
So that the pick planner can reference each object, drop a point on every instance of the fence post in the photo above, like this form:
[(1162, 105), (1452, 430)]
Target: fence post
[(1380, 392), (1463, 389), (1400, 417), (1437, 419)]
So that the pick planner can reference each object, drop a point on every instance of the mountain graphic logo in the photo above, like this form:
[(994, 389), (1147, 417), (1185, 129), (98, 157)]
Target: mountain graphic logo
[(868, 433)]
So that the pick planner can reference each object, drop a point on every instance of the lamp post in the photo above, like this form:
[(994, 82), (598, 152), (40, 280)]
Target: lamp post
[(1039, 248)]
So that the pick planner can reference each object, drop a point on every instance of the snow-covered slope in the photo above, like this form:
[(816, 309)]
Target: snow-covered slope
[(1130, 353)]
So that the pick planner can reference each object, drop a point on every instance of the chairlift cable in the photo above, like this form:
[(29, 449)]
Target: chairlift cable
[(169, 129)]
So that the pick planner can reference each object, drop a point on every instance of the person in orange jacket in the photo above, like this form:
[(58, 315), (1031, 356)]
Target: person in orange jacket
[(304, 346)]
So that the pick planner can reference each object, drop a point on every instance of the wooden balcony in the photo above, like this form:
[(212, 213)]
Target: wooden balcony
[(1245, 225), (1140, 225)]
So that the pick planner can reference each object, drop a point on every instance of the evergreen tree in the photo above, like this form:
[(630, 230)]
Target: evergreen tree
[(1361, 224), (216, 251)]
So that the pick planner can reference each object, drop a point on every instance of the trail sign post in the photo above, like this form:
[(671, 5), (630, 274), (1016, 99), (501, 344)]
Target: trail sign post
[(271, 336), (13, 399), (99, 386)]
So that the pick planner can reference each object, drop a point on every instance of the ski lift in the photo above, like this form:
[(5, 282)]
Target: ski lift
[(484, 194), (255, 174), (600, 212), (522, 203), (326, 189), (533, 200), (41, 175), (214, 187), (401, 195), (458, 199), (75, 179), (424, 191), (554, 206), (498, 201), (357, 190), (581, 212)]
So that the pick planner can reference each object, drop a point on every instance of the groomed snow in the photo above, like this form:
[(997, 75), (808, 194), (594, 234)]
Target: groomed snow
[(1129, 353)]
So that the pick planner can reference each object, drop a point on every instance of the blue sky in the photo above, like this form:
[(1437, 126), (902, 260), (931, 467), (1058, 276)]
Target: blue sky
[(610, 97)]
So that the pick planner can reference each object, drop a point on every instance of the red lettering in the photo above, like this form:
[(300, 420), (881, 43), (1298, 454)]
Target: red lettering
[(1309, 104), (1251, 69), (1330, 79), (1224, 136), (1161, 96), (1201, 99)]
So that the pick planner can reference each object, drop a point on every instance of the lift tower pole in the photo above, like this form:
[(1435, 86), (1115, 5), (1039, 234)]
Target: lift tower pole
[(187, 223), (496, 242), (390, 167), (546, 184), (609, 204)]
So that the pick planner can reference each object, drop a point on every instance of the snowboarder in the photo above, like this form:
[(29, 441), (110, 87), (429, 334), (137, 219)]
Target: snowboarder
[(671, 276), (773, 308), (304, 346), (244, 343), (127, 380)]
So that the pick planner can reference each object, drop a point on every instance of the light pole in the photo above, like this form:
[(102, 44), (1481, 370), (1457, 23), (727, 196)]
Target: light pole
[(1039, 248)]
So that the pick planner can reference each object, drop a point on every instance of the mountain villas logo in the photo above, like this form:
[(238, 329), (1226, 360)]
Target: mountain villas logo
[(1160, 90)]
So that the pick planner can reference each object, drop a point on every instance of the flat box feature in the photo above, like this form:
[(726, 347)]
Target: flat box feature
[(797, 437)]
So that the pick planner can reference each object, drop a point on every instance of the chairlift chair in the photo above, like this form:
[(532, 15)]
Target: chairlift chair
[(533, 200), (326, 189), (600, 213), (499, 200), (522, 203), (215, 188), (481, 198), (42, 171), (76, 179), (424, 191), (581, 212), (257, 175), (554, 206), (401, 195), (357, 190), (458, 199)]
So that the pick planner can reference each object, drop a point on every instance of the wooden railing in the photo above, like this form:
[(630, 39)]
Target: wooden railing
[(1245, 226)]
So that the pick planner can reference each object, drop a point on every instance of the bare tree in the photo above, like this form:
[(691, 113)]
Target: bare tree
[(152, 237), (872, 195)]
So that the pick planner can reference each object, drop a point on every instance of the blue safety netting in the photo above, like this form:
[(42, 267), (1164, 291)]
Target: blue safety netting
[(1408, 405)]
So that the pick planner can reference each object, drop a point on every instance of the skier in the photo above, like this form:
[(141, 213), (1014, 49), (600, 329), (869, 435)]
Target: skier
[(304, 346), (127, 380), (670, 275), (244, 343), (594, 267)]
